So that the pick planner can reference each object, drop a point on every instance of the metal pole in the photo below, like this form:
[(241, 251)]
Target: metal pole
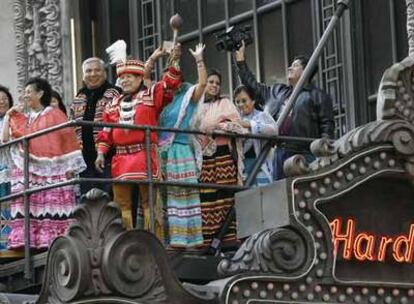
[(149, 176), (342, 6), (27, 258), (258, 164)]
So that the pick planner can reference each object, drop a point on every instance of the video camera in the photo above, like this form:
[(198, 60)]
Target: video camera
[(231, 40)]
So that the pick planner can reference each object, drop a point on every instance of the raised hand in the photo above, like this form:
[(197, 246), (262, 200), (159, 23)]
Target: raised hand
[(158, 53), (15, 109), (198, 52), (240, 52)]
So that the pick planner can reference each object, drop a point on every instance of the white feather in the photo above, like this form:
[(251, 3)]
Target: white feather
[(117, 51)]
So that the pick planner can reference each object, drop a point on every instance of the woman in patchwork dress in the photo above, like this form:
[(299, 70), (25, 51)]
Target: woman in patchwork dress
[(54, 157), (179, 164)]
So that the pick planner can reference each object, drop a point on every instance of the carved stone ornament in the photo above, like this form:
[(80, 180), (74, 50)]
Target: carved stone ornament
[(273, 251), (99, 261), (38, 41)]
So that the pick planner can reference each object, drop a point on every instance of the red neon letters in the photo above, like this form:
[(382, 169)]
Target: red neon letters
[(365, 246)]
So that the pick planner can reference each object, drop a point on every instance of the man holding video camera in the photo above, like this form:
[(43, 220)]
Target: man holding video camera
[(311, 115)]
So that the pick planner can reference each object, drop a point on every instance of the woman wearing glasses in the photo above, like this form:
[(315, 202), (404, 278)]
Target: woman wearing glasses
[(257, 122)]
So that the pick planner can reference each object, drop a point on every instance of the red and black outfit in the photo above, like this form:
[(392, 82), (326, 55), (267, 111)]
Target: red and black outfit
[(129, 161)]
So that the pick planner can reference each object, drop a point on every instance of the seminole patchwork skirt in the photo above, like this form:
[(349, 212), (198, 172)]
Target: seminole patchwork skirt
[(183, 204), (219, 168)]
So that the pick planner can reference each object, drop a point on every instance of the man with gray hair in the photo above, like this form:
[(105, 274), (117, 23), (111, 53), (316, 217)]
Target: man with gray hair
[(89, 105)]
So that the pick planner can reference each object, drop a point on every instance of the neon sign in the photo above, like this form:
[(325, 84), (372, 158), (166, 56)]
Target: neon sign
[(365, 246)]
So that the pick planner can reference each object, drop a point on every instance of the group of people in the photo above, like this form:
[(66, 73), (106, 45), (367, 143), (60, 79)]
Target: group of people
[(185, 217)]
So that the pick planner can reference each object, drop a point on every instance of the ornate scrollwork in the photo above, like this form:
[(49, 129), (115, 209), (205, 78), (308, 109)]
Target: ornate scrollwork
[(98, 258), (128, 266), (396, 95), (75, 260), (69, 267), (399, 133), (274, 251), (38, 41), (296, 165)]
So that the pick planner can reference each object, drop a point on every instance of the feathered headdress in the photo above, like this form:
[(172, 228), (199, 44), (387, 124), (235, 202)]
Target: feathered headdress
[(117, 55), (117, 51)]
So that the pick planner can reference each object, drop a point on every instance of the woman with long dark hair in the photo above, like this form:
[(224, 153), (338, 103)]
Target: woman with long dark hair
[(54, 157), (221, 161)]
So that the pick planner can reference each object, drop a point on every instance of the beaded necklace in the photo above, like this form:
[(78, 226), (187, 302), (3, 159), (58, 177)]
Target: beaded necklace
[(127, 110)]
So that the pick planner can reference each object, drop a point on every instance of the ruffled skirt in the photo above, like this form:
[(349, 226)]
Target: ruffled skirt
[(50, 210)]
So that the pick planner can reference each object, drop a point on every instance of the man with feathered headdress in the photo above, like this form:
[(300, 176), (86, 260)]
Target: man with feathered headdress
[(136, 106)]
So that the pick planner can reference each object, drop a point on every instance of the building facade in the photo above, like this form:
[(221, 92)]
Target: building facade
[(370, 37), (52, 37)]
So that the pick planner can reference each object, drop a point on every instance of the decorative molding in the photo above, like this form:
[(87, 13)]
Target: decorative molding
[(396, 95), (275, 251), (410, 26), (37, 26), (98, 259)]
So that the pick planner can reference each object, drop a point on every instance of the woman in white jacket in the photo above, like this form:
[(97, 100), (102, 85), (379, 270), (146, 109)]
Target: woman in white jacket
[(257, 122)]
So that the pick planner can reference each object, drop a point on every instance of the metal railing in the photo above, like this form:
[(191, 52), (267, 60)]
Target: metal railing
[(24, 140)]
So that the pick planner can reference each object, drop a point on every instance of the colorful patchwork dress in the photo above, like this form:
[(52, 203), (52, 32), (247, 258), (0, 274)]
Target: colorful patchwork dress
[(222, 163), (51, 157), (179, 165)]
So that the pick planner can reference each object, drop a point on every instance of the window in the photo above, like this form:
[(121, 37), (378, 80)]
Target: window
[(217, 60), (299, 26), (272, 54), (187, 63), (264, 2), (239, 6), (213, 11), (188, 11), (119, 20), (377, 33)]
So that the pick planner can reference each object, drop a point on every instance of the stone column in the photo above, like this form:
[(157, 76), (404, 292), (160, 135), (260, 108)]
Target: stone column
[(8, 75), (410, 26), (39, 46)]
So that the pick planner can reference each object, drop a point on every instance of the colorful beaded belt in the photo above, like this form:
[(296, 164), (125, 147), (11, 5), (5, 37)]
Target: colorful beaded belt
[(132, 148)]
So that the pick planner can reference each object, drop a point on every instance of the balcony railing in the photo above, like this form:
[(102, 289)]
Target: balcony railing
[(270, 141)]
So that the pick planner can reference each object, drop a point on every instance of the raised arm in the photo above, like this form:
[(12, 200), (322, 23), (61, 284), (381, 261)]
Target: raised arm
[(201, 70), (149, 65), (261, 90)]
